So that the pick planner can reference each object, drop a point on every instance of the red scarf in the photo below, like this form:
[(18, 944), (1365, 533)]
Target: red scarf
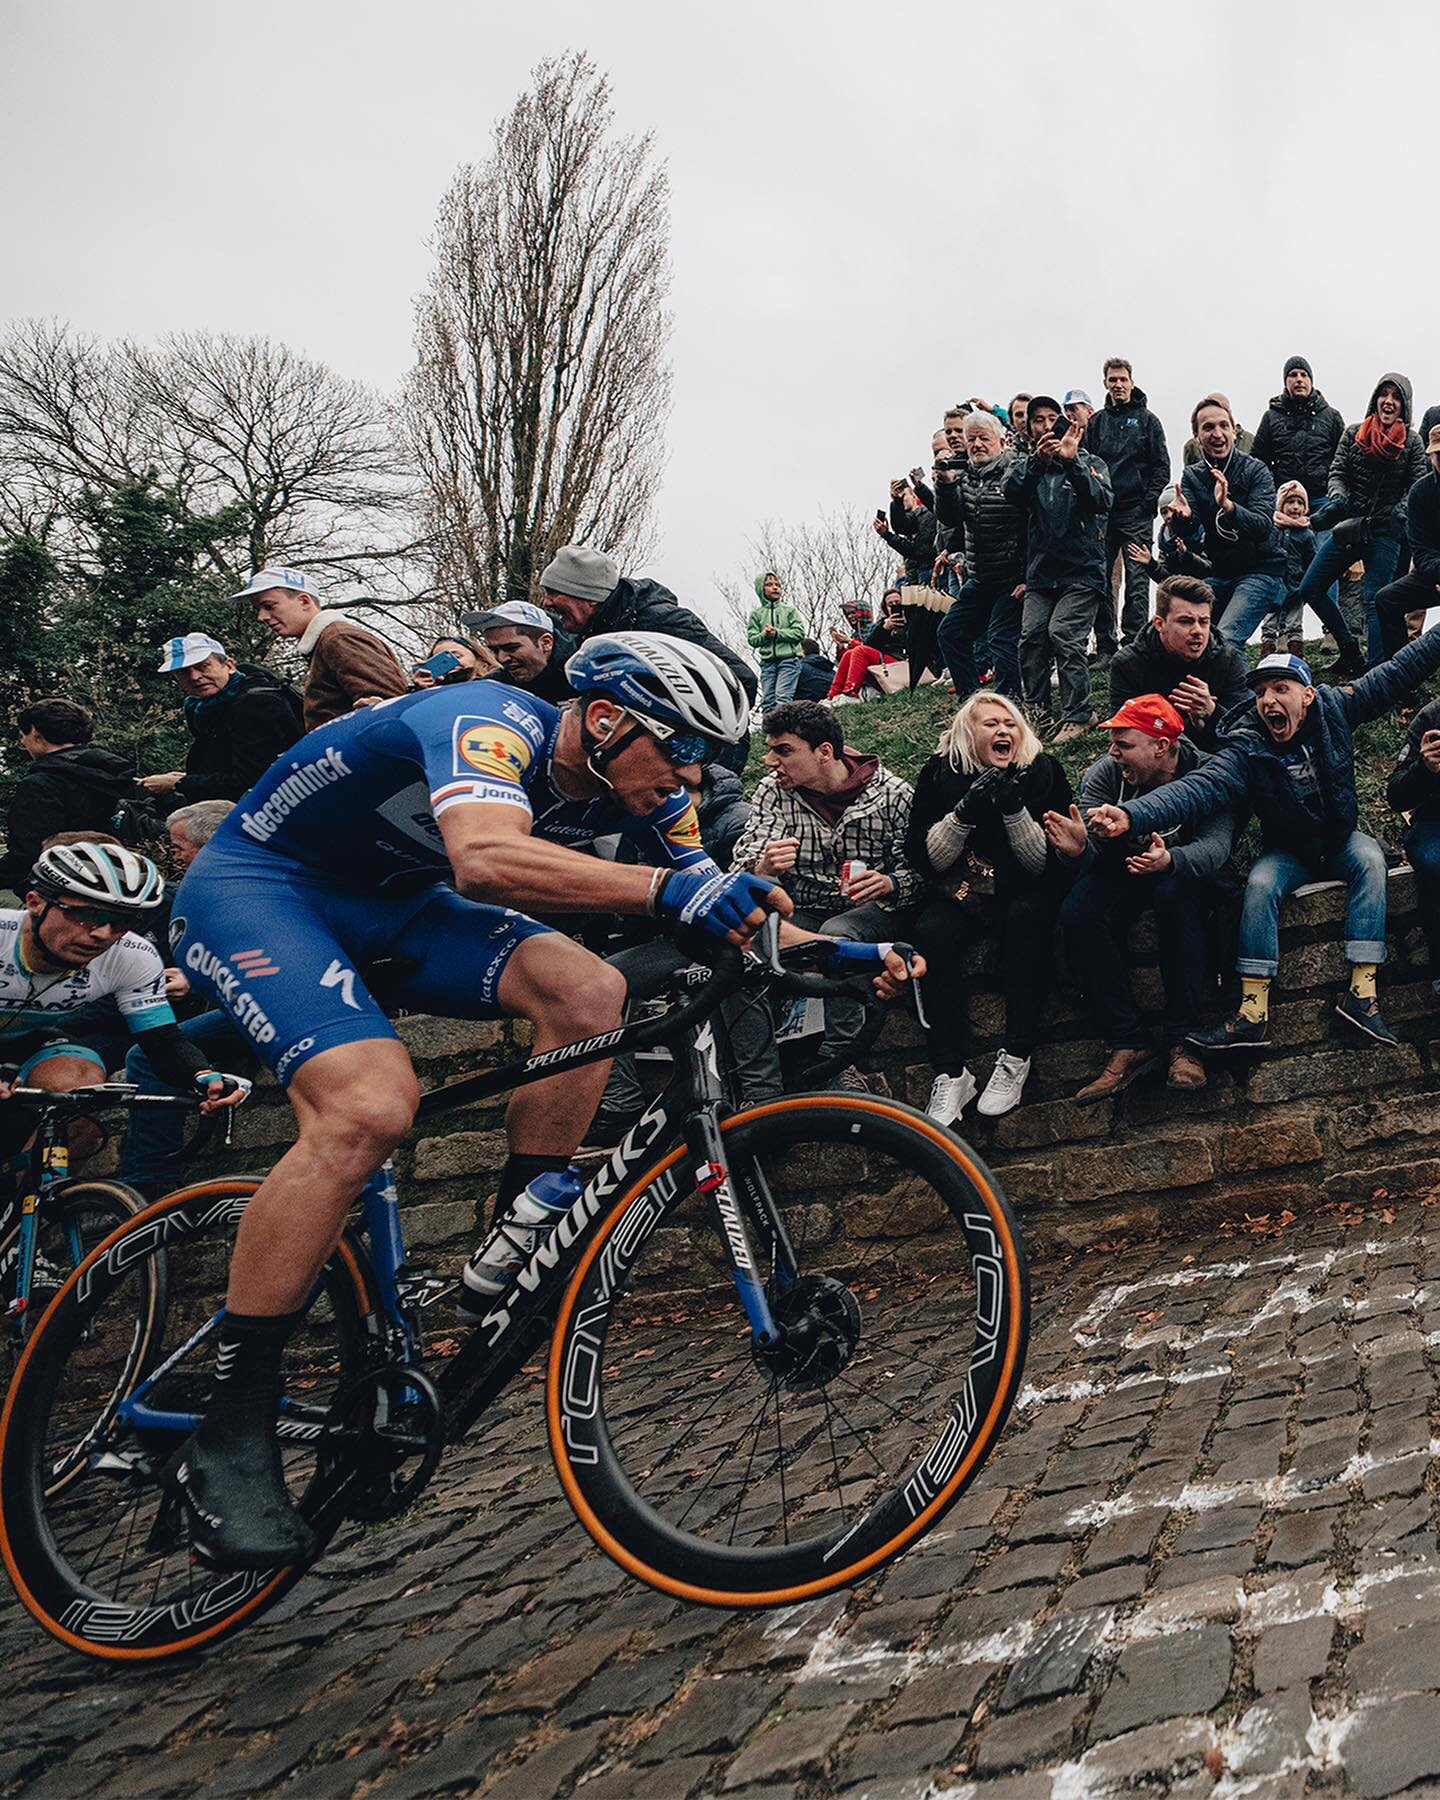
[(1384, 441)]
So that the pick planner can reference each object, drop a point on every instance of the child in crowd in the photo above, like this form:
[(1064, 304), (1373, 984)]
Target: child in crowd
[(1292, 516)]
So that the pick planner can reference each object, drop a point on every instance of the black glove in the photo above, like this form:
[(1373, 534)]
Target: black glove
[(1007, 793), (979, 797)]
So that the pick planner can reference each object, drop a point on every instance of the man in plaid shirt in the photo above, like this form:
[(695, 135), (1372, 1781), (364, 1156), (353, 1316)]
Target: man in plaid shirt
[(820, 807)]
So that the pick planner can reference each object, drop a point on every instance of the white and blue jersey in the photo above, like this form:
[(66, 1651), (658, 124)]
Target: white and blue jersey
[(35, 1005), (322, 898)]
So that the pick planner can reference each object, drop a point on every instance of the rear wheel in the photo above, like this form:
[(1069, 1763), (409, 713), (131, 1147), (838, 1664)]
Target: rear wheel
[(91, 1539), (744, 1475)]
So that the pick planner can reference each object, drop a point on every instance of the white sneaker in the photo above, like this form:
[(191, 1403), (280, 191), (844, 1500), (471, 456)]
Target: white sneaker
[(1005, 1086), (950, 1095)]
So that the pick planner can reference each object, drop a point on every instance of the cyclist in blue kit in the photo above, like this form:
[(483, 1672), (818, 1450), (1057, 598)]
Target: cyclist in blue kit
[(324, 898)]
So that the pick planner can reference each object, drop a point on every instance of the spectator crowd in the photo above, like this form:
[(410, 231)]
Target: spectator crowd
[(1049, 539)]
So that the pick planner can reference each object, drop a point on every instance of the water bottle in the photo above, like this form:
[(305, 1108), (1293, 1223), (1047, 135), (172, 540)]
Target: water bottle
[(538, 1210)]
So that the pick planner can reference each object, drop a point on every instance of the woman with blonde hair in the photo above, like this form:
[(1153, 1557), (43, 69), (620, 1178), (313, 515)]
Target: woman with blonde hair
[(978, 807)]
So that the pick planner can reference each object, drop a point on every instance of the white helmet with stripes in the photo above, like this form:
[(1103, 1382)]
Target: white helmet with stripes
[(670, 685), (99, 875)]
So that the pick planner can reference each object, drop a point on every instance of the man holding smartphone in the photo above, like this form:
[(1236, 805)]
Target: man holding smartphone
[(1064, 491)]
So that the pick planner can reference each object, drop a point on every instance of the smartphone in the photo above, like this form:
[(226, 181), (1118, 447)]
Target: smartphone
[(1060, 427), (441, 664), (879, 516)]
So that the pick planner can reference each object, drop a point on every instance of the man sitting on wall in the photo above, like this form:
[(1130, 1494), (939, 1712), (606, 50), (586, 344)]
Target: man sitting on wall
[(1169, 875), (1292, 761)]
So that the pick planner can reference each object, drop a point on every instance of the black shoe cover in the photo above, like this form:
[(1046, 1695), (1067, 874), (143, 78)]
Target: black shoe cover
[(238, 1509)]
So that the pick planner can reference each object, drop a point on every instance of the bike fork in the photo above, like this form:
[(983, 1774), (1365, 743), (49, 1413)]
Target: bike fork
[(54, 1166), (712, 1179)]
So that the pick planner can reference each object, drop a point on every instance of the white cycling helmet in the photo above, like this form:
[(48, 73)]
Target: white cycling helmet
[(99, 875), (671, 686)]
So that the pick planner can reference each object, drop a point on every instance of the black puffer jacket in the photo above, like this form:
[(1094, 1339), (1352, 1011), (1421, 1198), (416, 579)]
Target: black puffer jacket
[(1371, 487), (1066, 505), (647, 606), (83, 788), (1131, 441), (1147, 667), (236, 736), (989, 528), (722, 810), (1413, 788), (1422, 526), (1296, 440)]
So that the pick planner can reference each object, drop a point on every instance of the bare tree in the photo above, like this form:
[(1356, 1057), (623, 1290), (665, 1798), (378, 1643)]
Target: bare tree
[(820, 565), (70, 419), (324, 479), (538, 401), (307, 453)]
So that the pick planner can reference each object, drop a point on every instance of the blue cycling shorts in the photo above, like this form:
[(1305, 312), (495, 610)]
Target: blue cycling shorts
[(302, 967)]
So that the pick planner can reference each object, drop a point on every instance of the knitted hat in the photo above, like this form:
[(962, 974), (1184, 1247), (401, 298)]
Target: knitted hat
[(581, 573), (1297, 362)]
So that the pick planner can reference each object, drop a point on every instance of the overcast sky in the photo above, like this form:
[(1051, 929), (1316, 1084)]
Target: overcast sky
[(875, 209)]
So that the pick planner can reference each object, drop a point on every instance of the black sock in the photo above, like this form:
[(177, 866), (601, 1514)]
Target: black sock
[(248, 1350), (519, 1172)]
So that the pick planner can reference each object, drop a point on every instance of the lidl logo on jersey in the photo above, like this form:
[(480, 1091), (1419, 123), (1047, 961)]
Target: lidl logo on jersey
[(494, 750), (684, 832)]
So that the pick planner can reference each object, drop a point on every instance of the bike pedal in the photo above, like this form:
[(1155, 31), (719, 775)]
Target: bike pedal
[(167, 1533)]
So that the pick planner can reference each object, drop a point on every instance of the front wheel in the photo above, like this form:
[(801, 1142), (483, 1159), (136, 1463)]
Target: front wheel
[(741, 1475)]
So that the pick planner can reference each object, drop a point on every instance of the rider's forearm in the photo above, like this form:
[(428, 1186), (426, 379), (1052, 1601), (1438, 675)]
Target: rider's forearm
[(533, 876)]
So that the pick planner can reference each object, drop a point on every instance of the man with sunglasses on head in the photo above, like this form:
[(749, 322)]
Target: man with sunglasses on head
[(393, 858), (77, 942)]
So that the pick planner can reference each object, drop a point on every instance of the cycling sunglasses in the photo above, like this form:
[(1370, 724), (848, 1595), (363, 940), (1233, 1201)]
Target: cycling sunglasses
[(681, 747), (688, 747), (94, 915)]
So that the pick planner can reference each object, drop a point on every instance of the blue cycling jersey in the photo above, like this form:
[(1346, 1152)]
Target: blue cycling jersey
[(320, 904), (357, 800)]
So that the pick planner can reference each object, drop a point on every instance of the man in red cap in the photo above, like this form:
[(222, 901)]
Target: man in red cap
[(1171, 875)]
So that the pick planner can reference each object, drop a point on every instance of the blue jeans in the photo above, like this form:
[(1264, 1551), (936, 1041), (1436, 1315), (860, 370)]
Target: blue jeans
[(1360, 864), (983, 619), (1381, 558), (777, 681), (155, 1135), (1242, 601), (1422, 846)]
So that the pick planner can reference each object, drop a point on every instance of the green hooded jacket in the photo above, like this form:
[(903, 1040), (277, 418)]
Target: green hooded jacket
[(789, 632)]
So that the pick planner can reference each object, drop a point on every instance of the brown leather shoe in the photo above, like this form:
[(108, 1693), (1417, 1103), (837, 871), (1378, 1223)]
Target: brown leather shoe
[(1123, 1068), (1186, 1069)]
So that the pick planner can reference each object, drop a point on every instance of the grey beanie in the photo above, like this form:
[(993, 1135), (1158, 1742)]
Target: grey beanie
[(580, 572)]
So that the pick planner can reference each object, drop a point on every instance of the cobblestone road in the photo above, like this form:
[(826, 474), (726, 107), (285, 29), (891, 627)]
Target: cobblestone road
[(1204, 1561)]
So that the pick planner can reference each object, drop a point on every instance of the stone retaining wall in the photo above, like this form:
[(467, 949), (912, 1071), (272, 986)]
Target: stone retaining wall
[(1325, 1116)]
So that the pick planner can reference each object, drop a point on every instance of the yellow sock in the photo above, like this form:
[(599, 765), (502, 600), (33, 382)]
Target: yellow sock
[(1255, 998), (1362, 980)]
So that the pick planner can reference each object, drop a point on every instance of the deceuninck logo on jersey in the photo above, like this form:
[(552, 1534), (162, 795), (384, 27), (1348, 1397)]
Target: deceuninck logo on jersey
[(493, 750)]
